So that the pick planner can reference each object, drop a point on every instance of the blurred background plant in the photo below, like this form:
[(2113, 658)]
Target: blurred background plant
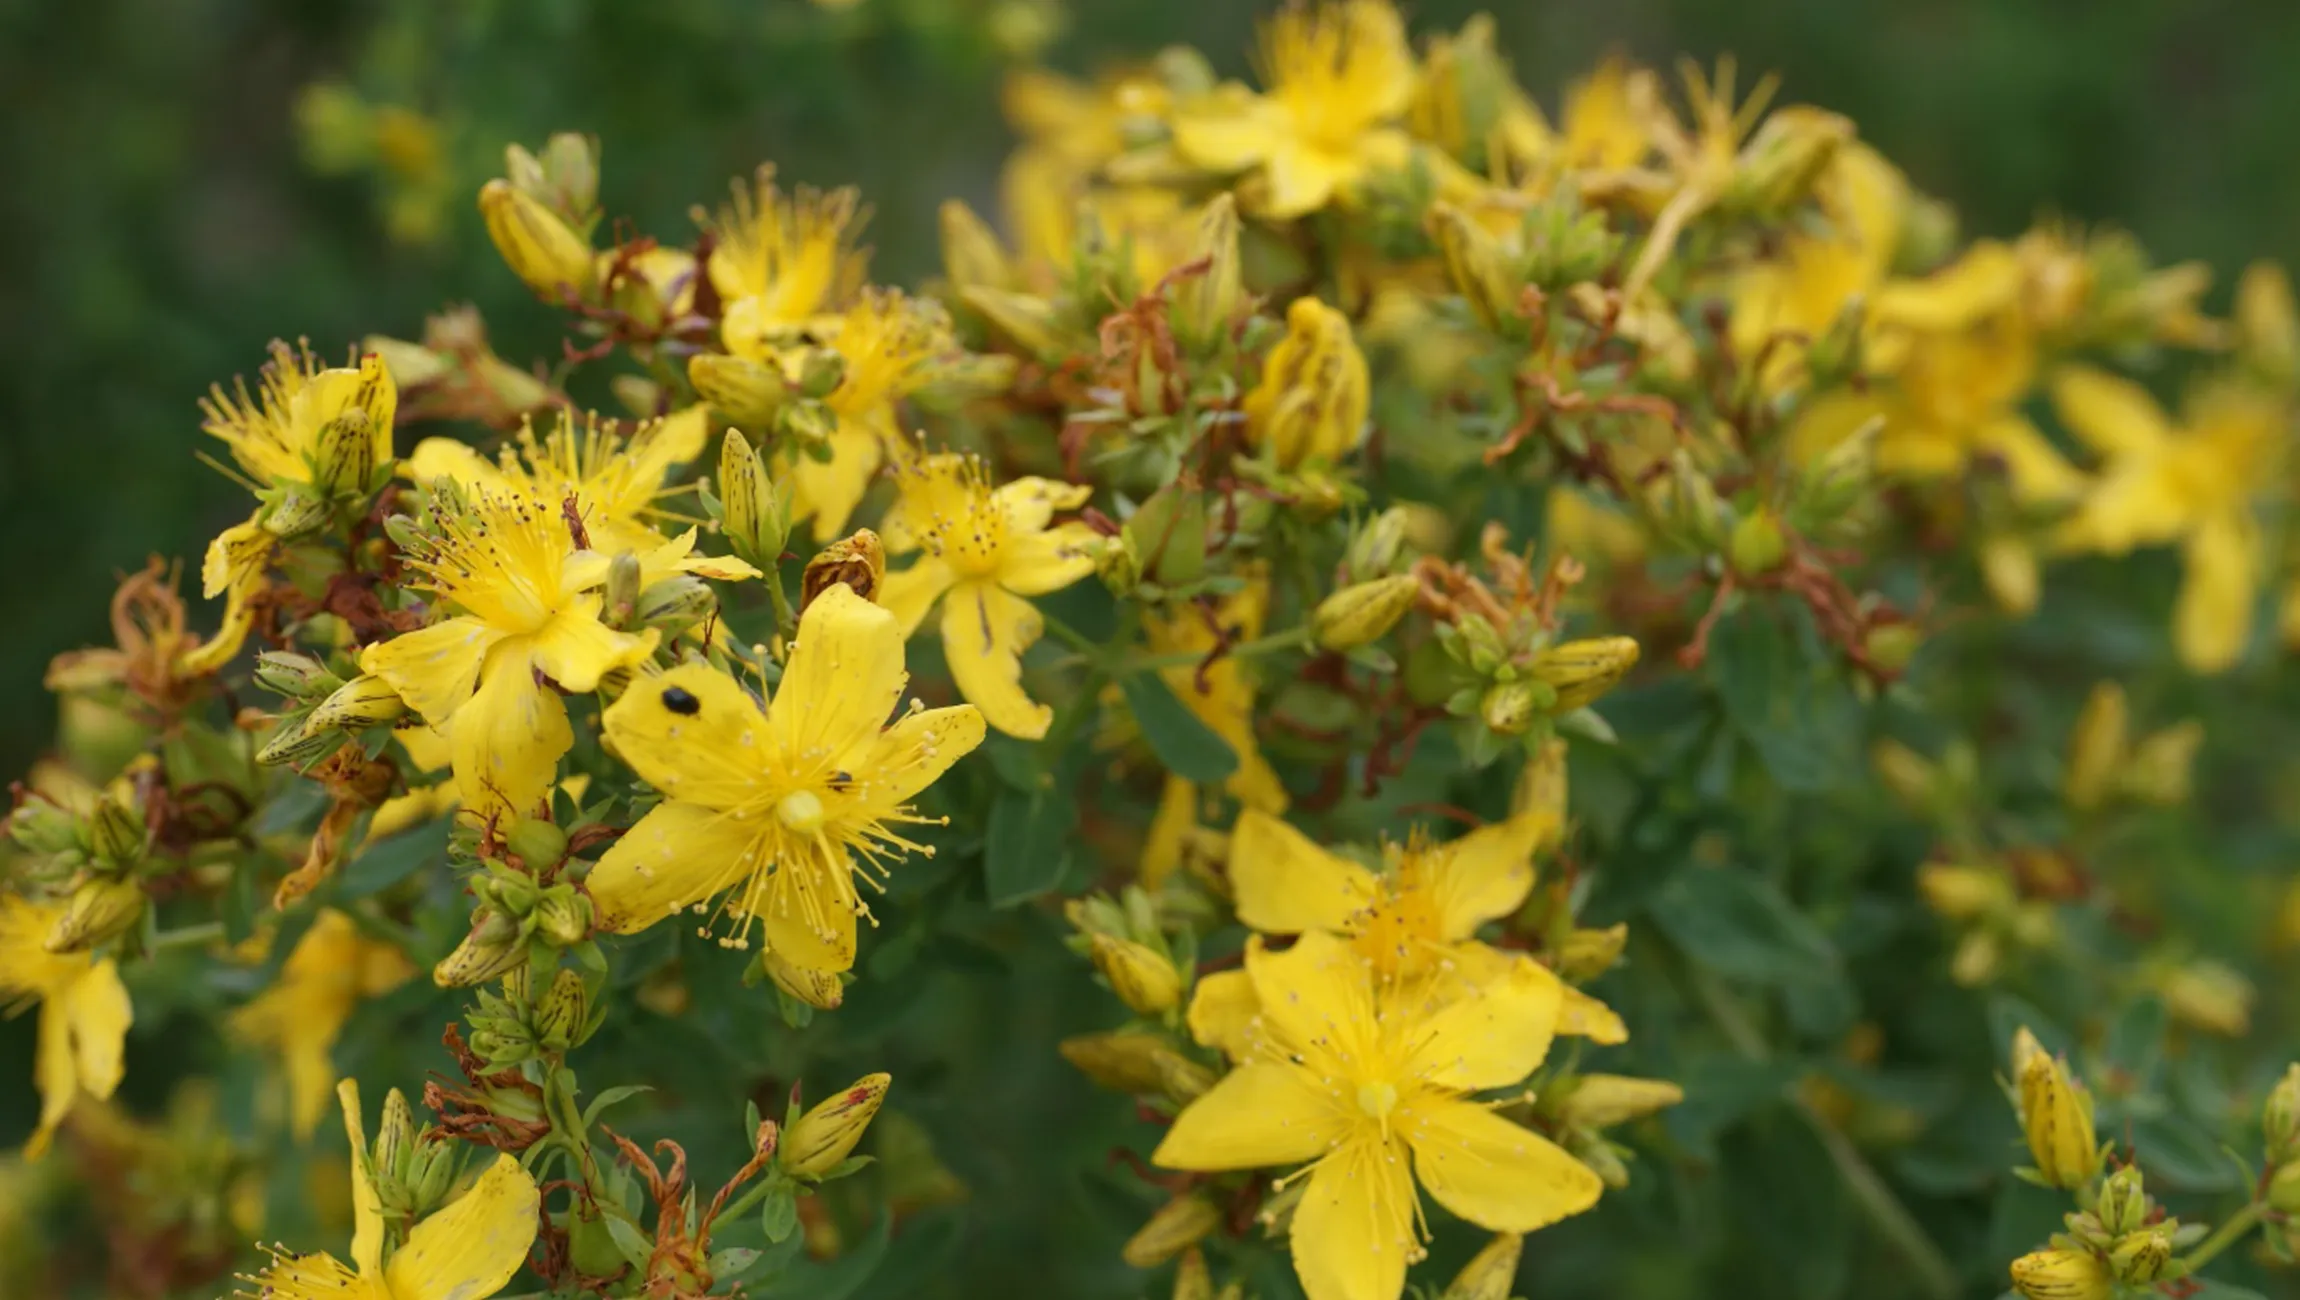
[(193, 179)]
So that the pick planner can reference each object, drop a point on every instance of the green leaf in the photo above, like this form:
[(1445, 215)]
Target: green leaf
[(838, 1279), (387, 862), (1187, 747), (1023, 851), (633, 1243), (1788, 700), (779, 1213), (600, 1103), (1737, 924)]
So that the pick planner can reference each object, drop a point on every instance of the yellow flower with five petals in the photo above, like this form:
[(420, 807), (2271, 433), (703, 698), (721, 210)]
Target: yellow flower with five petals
[(330, 971), (782, 261), (1367, 1083), (986, 550), (782, 806), (615, 480)]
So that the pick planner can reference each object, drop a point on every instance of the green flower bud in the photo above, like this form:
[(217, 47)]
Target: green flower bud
[(297, 744), (564, 916), (1377, 547), (1479, 268), (344, 461), (1178, 1225), (537, 843), (40, 826), (296, 513), (358, 704), (394, 1137), (2284, 1189), (1030, 321), (561, 1012), (971, 254), (536, 242), (1204, 305), (117, 833), (675, 601), (1580, 671), (1124, 1061), (298, 677), (492, 947), (1509, 708), (758, 511), (2280, 1118), (821, 371), (1757, 546), (822, 1138), (1490, 1274), (1363, 613), (744, 392), (100, 910), (820, 989), (2141, 1257)]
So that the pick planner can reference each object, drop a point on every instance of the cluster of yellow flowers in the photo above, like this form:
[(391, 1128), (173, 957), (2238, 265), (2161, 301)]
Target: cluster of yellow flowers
[(1249, 361)]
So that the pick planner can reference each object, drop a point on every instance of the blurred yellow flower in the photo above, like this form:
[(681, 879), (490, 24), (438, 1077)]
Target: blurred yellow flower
[(333, 967), (84, 1012)]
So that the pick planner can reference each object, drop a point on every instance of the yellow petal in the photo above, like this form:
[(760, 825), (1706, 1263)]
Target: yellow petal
[(235, 559), (984, 634), (1260, 1114), (509, 736), (2113, 415), (844, 677), (1222, 1011), (1303, 178), (2213, 618), (911, 592), (366, 1204), (575, 649), (2040, 475), (1285, 884), (1316, 998), (1985, 280), (457, 461), (830, 491), (1031, 502), (1488, 872), (678, 855), (688, 733), (914, 753), (1495, 1034), (470, 1250), (97, 1011), (1033, 564), (1176, 817), (1353, 1230), (1494, 1173), (317, 1276), (1229, 129), (55, 1073), (807, 888), (1583, 1016), (435, 668)]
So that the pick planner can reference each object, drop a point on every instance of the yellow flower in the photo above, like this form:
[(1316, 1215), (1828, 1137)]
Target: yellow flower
[(2207, 995), (1368, 1080), (778, 805), (1407, 919), (1312, 401), (530, 610), (84, 1012), (1782, 305), (333, 967), (615, 481), (2055, 1115), (781, 261), (824, 1137), (891, 345), (1222, 695), (1607, 122), (468, 1251), (985, 550), (2062, 1275), (277, 434), (1339, 78), (2190, 483)]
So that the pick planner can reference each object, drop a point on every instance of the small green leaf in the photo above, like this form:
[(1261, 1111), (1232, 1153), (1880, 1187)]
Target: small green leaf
[(387, 862), (1737, 924), (633, 1243), (779, 1213), (1023, 852), (1187, 747)]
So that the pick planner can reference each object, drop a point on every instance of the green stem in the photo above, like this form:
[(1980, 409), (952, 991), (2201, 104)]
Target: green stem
[(786, 623), (190, 936), (1068, 635), (1286, 640), (2226, 1235), (1935, 1276)]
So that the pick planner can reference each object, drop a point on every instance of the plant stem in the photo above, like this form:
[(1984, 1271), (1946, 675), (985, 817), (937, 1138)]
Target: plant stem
[(1936, 1277), (1286, 640), (786, 623), (2223, 1237), (190, 936), (1068, 635)]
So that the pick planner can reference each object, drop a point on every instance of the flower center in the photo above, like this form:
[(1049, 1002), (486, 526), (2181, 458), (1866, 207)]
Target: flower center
[(1377, 1099), (801, 811)]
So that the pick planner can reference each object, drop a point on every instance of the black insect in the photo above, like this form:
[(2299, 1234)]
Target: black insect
[(679, 700), (840, 781)]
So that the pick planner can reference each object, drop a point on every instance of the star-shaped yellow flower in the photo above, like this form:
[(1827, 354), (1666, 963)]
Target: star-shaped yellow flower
[(84, 1012), (986, 549), (781, 805), (1366, 1083), (324, 979), (614, 480)]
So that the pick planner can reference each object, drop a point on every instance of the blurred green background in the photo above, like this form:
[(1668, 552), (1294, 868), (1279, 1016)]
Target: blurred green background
[(160, 223)]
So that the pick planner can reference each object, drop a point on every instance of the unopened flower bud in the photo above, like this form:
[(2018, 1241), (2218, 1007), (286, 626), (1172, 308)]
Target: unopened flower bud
[(1491, 1274), (2267, 326), (1587, 954), (1178, 1225), (1479, 267), (2160, 771), (2141, 1257), (1118, 564), (2096, 748), (1908, 774), (758, 516), (356, 705), (2061, 1275), (809, 424), (1315, 390), (410, 365), (297, 743), (569, 170), (1509, 708), (1757, 545), (1205, 304), (1600, 1155), (394, 1136), (675, 601), (1377, 547), (1580, 671), (745, 392), (2123, 1202), (535, 242), (298, 677), (1141, 977), (1782, 163), (537, 842), (621, 597), (2280, 1118), (2284, 1189), (1182, 1079), (821, 371), (501, 1050), (1123, 1061), (100, 910), (492, 947), (296, 513), (2056, 1118), (1604, 1100), (117, 833), (1030, 321), (1363, 613), (823, 1137), (344, 462), (820, 989), (1962, 893), (561, 1011), (39, 825), (971, 255), (1192, 1280), (857, 560), (563, 916), (1840, 477)]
